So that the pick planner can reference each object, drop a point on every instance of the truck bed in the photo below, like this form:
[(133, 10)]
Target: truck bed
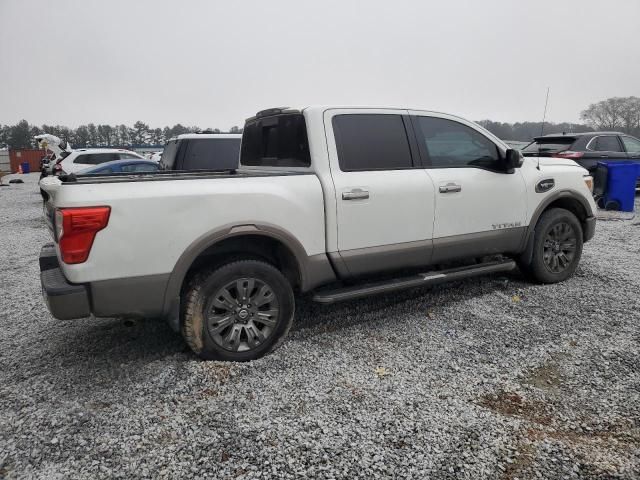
[(156, 217)]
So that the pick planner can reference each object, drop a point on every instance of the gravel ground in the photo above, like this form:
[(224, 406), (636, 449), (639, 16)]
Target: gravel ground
[(482, 379)]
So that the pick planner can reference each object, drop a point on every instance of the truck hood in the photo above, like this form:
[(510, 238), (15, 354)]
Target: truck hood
[(552, 162)]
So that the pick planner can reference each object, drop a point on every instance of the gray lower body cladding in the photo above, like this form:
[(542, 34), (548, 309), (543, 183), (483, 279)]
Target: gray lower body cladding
[(137, 296), (589, 228), (373, 260)]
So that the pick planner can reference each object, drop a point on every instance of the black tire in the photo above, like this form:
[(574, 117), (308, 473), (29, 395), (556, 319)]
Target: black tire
[(612, 205), (215, 328), (558, 234)]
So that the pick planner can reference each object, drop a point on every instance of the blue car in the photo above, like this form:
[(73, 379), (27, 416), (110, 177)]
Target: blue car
[(121, 166)]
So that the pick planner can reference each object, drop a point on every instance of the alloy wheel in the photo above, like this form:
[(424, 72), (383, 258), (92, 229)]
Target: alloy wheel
[(242, 314), (559, 247)]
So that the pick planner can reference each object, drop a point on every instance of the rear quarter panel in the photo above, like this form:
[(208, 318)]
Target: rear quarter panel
[(153, 222)]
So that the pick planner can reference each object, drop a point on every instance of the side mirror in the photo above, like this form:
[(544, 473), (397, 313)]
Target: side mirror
[(512, 159)]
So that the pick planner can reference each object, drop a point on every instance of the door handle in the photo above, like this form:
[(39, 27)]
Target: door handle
[(355, 194), (450, 188)]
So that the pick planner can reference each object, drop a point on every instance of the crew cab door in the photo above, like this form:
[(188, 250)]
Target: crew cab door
[(384, 198), (479, 209)]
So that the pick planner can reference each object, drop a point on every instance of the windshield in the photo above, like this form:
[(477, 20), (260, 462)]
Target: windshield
[(548, 146)]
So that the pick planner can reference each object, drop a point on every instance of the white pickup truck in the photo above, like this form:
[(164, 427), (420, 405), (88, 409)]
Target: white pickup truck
[(341, 202)]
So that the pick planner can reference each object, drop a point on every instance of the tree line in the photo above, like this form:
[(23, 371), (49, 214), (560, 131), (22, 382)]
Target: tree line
[(21, 134), (616, 113)]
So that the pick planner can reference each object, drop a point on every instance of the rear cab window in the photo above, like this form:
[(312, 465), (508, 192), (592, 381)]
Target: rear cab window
[(278, 140)]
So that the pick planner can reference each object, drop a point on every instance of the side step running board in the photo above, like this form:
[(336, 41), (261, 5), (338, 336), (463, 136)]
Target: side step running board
[(431, 278)]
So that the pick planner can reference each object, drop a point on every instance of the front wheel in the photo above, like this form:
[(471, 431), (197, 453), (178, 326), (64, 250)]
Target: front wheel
[(557, 247), (237, 312)]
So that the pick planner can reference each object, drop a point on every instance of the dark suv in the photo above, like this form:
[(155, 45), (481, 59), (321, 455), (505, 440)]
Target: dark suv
[(587, 149)]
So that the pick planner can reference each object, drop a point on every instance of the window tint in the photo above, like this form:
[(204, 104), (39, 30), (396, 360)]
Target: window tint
[(605, 143), (127, 156), (139, 167), (371, 142), (549, 145), (632, 145), (452, 144), (276, 141), (96, 158), (211, 154)]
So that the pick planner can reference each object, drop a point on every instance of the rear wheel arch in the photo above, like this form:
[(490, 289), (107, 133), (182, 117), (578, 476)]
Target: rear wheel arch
[(266, 243)]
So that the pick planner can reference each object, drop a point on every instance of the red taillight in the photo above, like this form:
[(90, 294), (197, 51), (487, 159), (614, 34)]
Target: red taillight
[(77, 228), (568, 154)]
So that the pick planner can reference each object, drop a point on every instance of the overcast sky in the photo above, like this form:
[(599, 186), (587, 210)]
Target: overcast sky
[(213, 63)]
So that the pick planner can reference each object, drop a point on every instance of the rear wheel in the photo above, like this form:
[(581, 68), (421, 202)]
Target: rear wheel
[(237, 312), (557, 247)]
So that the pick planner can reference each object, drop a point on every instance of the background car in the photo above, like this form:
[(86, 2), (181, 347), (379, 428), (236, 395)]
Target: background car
[(121, 166), (202, 151), (89, 157), (587, 149)]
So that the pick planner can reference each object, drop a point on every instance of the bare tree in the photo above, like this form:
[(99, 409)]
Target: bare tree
[(616, 113)]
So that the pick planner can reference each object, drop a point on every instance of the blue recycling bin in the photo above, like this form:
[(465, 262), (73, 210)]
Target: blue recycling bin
[(26, 168), (620, 193)]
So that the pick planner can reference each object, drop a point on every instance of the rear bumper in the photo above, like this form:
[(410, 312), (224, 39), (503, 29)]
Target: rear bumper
[(589, 228), (65, 300), (134, 296)]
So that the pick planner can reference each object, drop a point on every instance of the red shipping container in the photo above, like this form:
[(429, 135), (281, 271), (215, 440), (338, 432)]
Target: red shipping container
[(30, 155)]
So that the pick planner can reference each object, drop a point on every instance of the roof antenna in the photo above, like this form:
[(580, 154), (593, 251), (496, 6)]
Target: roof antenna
[(544, 117)]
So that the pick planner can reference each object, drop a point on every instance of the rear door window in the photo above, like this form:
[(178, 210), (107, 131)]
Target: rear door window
[(211, 154), (96, 158), (450, 144), (631, 144), (605, 143), (371, 142)]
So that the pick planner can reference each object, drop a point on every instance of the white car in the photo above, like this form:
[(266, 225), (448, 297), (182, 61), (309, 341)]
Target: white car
[(90, 157), (341, 202)]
